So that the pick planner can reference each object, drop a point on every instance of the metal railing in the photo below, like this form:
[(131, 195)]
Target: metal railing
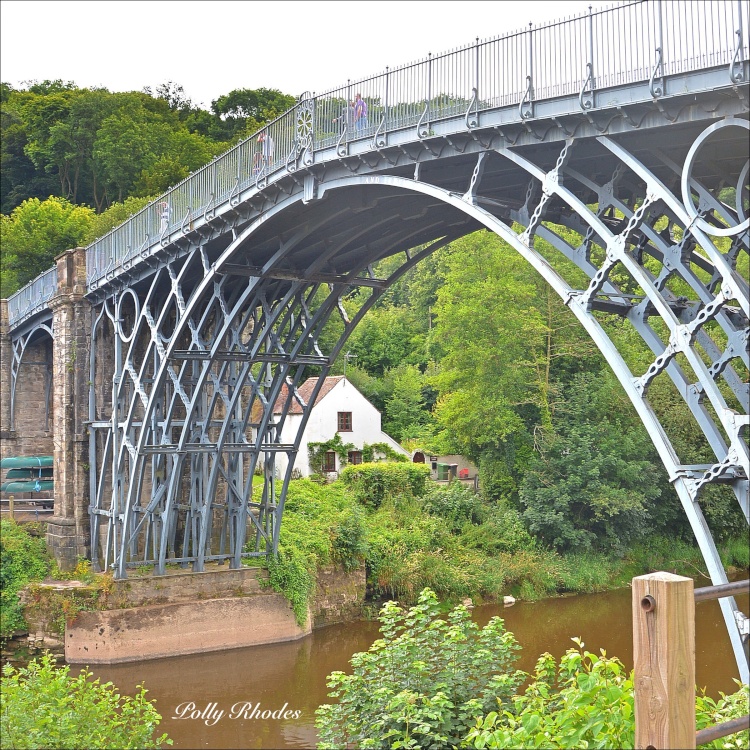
[(32, 297), (631, 42)]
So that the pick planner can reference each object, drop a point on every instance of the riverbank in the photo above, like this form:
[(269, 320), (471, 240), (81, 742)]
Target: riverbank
[(452, 542), (448, 540)]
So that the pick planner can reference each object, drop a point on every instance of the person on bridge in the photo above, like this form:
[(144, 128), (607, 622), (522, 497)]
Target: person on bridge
[(164, 216), (360, 113), (345, 120), (264, 156)]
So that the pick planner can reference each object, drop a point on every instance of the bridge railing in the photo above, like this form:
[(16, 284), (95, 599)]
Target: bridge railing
[(32, 297), (632, 42)]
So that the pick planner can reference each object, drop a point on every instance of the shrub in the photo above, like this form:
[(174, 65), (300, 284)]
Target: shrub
[(573, 711), (292, 574), (421, 684), (23, 558), (455, 504), (373, 483), (502, 530), (44, 707), (587, 701), (350, 539)]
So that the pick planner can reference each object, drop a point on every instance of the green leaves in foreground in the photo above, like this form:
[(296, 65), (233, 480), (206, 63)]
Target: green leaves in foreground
[(586, 702), (423, 683), (43, 706)]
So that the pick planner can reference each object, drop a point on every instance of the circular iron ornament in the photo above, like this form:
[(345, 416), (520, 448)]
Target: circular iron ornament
[(304, 119), (118, 315), (741, 186), (687, 170)]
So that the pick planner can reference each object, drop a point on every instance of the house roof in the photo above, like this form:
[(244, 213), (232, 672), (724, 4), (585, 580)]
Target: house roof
[(305, 393)]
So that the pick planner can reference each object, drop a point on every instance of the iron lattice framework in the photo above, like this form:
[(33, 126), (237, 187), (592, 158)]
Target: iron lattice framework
[(212, 348)]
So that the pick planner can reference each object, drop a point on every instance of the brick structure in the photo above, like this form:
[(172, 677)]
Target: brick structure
[(68, 529)]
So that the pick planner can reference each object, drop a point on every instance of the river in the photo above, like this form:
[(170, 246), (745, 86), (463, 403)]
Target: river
[(290, 678)]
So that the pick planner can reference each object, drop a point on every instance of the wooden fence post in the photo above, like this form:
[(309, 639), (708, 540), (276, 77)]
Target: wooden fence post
[(11, 501), (664, 661)]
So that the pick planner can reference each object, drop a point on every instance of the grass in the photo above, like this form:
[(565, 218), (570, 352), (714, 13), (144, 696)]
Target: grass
[(409, 543)]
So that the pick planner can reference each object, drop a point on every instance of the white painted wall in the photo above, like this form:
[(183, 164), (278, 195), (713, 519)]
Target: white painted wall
[(323, 425)]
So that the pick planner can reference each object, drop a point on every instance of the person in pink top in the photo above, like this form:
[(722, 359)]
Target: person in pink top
[(360, 112)]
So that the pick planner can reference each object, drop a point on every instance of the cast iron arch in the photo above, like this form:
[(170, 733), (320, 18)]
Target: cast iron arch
[(241, 347)]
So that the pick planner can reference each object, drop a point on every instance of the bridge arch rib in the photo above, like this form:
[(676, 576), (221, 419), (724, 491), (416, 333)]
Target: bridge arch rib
[(211, 364)]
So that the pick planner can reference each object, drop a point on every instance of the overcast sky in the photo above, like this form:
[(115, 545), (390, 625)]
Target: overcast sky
[(211, 48)]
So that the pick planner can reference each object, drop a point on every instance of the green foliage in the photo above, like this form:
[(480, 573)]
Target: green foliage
[(116, 214), (43, 706), (317, 451), (292, 573), (709, 712), (594, 479), (243, 111), (372, 483), (34, 234), (565, 706), (587, 702), (23, 558), (371, 452), (455, 504), (422, 683), (487, 317), (405, 413), (350, 539)]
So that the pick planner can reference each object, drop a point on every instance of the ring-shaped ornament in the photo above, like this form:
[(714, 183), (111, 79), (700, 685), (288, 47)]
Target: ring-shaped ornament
[(118, 317), (686, 175)]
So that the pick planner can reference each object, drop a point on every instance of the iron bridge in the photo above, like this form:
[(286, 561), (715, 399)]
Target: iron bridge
[(625, 128)]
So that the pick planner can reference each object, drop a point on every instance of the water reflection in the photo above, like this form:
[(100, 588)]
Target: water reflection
[(291, 676)]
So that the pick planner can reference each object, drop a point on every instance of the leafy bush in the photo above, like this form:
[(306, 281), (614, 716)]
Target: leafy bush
[(591, 488), (44, 707), (373, 483), (423, 683), (586, 702), (23, 558), (292, 574), (573, 711), (454, 503), (350, 539)]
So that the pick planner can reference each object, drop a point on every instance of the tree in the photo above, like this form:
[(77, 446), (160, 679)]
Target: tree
[(43, 706), (422, 683), (596, 475), (489, 339), (405, 412), (35, 233), (243, 111)]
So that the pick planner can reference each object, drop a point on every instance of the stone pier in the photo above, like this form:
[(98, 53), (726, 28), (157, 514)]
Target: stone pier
[(68, 529)]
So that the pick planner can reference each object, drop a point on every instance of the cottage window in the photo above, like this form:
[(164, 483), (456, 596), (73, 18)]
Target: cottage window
[(345, 421), (329, 461), (355, 457)]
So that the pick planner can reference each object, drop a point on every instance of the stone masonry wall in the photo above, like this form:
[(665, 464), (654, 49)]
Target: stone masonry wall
[(68, 529), (339, 597), (33, 427)]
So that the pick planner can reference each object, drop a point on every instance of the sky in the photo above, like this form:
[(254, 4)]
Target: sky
[(212, 48)]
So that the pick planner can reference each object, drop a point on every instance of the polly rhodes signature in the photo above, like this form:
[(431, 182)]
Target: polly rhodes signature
[(211, 714)]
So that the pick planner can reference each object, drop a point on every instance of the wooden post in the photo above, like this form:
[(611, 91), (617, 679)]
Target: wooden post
[(664, 661), (11, 501)]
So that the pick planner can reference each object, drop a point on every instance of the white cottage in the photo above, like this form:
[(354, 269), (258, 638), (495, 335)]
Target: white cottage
[(339, 407)]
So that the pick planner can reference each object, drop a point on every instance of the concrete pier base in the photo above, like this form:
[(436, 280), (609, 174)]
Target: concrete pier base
[(159, 630)]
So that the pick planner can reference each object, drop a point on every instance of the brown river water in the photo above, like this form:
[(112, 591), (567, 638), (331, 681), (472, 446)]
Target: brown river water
[(268, 694)]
